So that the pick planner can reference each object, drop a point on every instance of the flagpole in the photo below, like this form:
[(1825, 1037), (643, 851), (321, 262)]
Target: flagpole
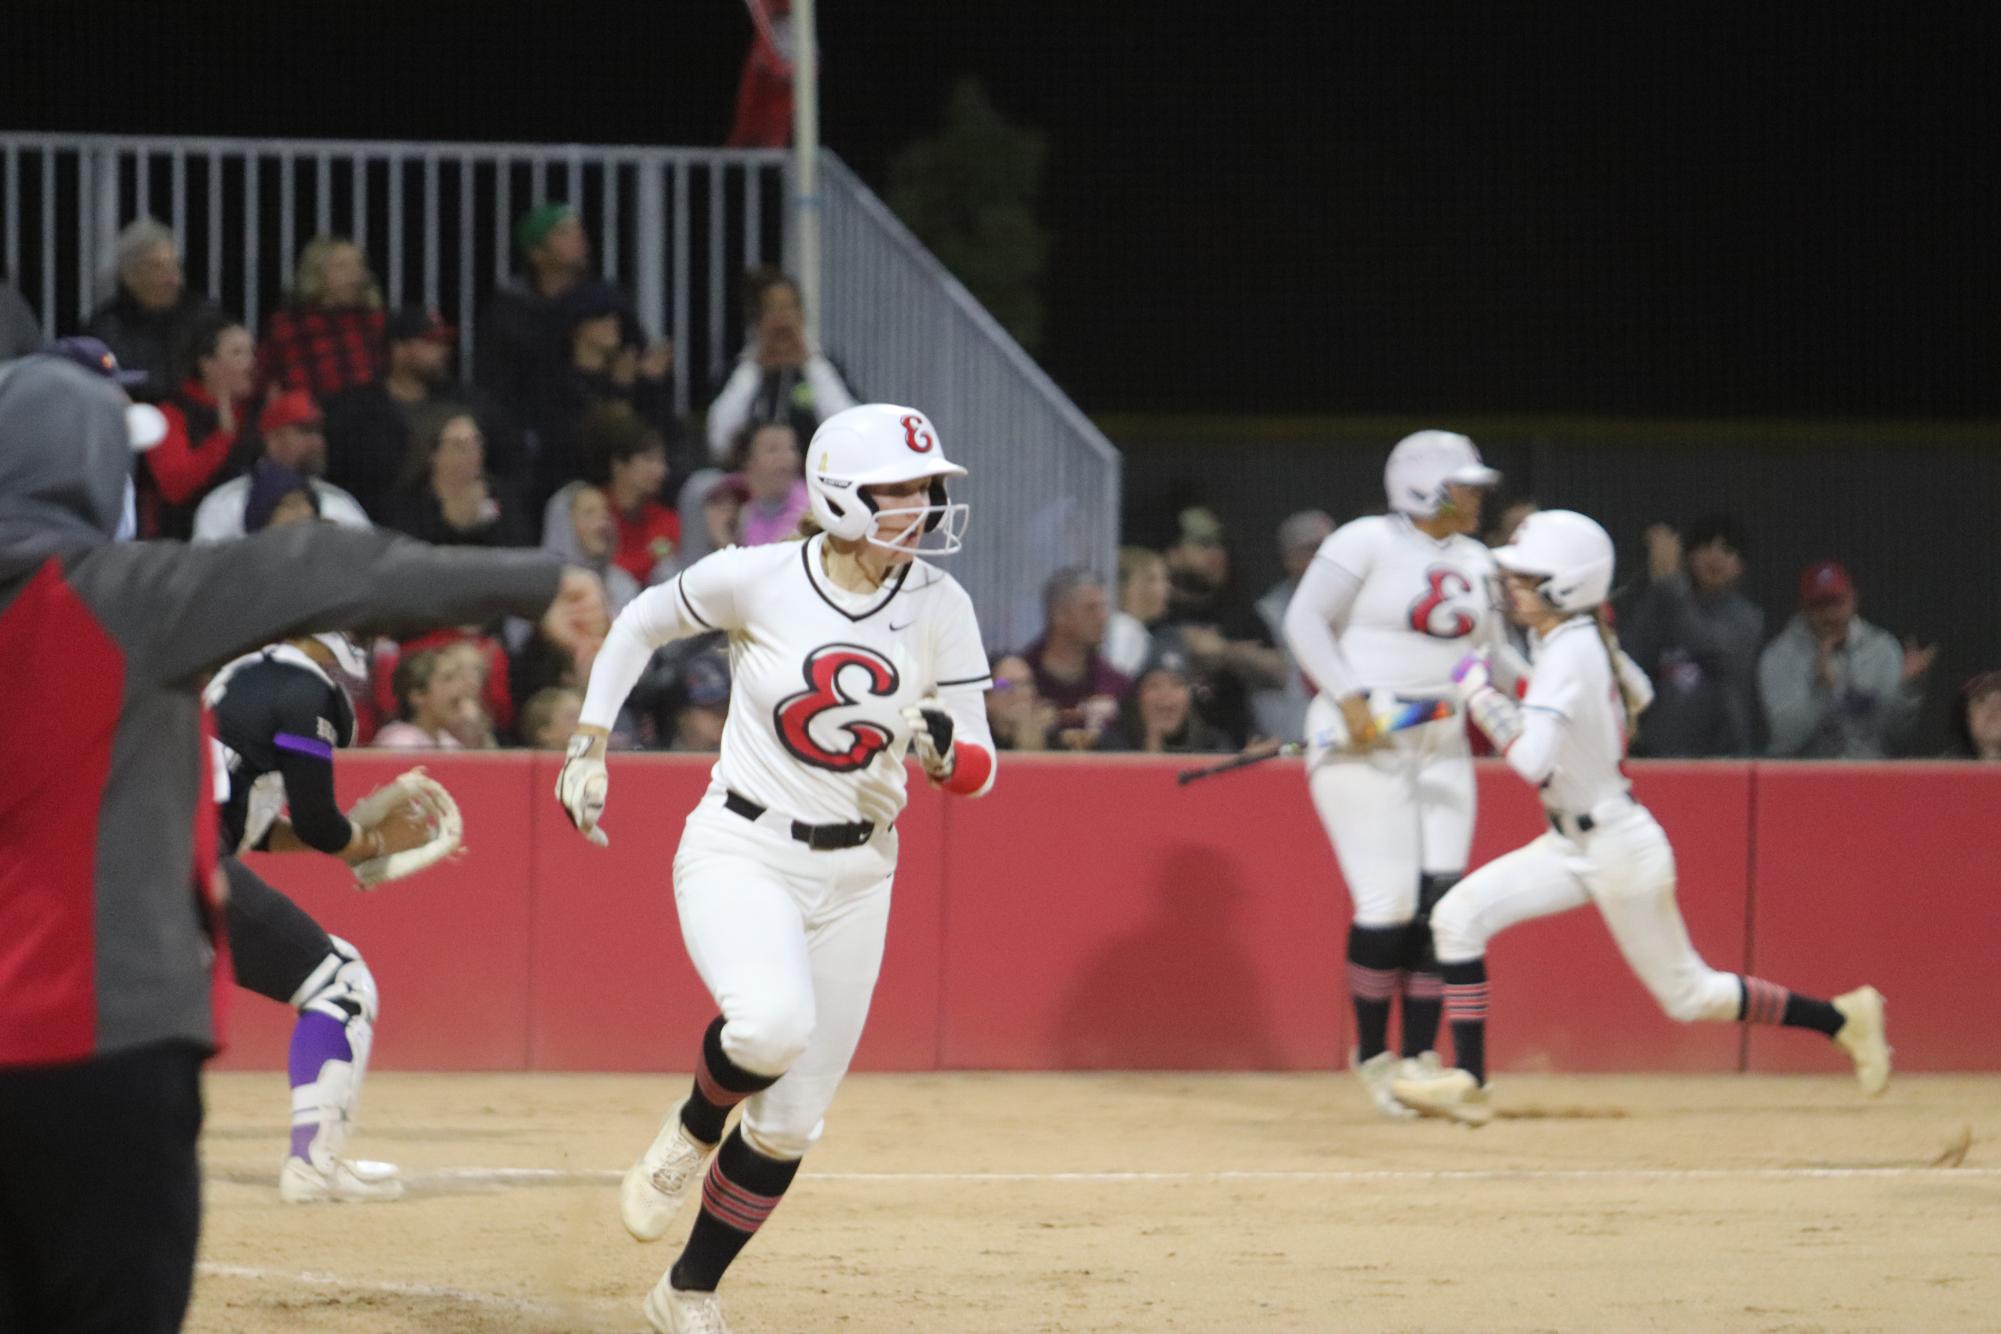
[(805, 160)]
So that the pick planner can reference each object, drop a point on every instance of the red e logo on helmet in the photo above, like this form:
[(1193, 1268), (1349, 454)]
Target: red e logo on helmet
[(917, 435)]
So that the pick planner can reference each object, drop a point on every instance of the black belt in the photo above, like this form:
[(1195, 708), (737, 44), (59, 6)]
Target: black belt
[(1583, 823), (819, 837)]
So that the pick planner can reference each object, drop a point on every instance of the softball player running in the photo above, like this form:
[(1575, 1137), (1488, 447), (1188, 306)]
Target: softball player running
[(845, 650), (1390, 603), (1567, 738)]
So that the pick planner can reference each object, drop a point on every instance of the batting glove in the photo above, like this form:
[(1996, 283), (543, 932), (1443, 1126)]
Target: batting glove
[(931, 736), (1471, 676), (581, 785)]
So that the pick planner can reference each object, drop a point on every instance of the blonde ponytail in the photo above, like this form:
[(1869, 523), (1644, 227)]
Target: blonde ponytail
[(1632, 703)]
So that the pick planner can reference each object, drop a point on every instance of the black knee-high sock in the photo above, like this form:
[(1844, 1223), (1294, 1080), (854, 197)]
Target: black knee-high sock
[(1466, 1010), (1423, 988), (720, 1084), (738, 1194), (1769, 1003), (1375, 962)]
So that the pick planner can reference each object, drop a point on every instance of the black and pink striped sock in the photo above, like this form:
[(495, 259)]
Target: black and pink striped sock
[(1423, 1004), (1423, 990), (738, 1194), (1375, 976), (720, 1084), (1466, 1011), (1769, 1003)]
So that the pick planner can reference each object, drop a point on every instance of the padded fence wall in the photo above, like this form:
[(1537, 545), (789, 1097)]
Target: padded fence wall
[(1091, 914)]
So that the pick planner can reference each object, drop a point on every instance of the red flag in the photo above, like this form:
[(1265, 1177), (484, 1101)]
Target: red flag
[(764, 98)]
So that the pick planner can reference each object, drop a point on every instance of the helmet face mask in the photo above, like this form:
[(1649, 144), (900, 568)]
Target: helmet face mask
[(879, 445), (936, 518)]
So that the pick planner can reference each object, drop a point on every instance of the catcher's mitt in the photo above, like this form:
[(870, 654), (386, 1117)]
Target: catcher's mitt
[(440, 814)]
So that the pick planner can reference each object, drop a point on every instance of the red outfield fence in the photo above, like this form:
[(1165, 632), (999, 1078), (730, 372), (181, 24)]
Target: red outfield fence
[(1090, 914)]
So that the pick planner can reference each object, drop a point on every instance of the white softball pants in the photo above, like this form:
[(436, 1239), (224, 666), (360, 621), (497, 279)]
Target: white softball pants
[(1624, 866), (789, 942), (1394, 813)]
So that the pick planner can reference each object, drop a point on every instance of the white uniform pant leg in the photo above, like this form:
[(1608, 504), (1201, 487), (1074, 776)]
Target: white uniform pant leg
[(746, 935), (845, 950), (1539, 879), (1632, 881), (1365, 804), (1445, 800)]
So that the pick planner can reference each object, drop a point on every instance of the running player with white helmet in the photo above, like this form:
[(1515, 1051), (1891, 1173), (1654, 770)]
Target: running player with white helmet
[(1567, 738), (845, 649), (1389, 604)]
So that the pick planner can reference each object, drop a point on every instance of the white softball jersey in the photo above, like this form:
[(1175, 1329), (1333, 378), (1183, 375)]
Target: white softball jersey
[(1385, 606), (820, 675), (1573, 738)]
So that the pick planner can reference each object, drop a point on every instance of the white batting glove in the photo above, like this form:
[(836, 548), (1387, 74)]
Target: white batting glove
[(581, 785), (1471, 676), (931, 738)]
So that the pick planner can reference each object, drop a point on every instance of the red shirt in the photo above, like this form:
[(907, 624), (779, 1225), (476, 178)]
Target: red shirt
[(645, 538)]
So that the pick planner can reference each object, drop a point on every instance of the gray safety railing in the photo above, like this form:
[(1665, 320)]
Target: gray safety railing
[(1044, 482), (675, 226)]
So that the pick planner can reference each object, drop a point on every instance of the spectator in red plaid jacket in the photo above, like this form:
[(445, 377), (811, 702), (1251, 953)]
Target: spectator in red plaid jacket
[(329, 337)]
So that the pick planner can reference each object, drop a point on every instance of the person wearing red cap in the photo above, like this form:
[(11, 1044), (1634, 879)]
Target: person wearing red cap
[(290, 427), (1834, 686)]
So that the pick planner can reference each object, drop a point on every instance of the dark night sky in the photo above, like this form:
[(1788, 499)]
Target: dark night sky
[(1450, 208)]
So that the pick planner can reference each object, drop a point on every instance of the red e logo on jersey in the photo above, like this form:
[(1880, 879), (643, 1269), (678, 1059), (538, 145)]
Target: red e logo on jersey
[(917, 435), (1442, 583), (793, 718)]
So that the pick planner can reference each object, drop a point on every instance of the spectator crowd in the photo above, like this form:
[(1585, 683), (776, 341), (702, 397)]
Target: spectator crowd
[(346, 412)]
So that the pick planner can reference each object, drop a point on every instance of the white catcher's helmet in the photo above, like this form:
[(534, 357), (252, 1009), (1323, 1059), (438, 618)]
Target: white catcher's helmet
[(870, 445), (1571, 553), (1421, 465)]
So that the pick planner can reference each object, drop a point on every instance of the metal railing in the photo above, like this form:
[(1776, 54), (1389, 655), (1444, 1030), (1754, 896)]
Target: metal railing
[(675, 226), (1044, 482)]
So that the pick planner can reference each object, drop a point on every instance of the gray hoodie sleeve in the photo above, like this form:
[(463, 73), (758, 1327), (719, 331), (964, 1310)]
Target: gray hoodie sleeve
[(179, 610), (1796, 702), (1879, 670)]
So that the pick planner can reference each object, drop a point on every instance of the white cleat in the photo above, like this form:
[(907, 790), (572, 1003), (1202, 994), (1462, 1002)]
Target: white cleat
[(672, 1310), (302, 1183), (1422, 1065), (1453, 1094), (654, 1187), (1861, 1036), (1376, 1073)]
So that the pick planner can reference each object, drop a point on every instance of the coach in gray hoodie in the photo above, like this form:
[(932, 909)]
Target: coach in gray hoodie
[(1834, 686), (110, 938)]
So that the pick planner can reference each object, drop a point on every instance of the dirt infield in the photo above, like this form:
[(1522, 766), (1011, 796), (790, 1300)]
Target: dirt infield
[(974, 1202)]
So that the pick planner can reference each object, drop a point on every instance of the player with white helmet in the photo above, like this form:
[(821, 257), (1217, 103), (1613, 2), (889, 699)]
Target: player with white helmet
[(1389, 604), (1567, 739), (846, 649)]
